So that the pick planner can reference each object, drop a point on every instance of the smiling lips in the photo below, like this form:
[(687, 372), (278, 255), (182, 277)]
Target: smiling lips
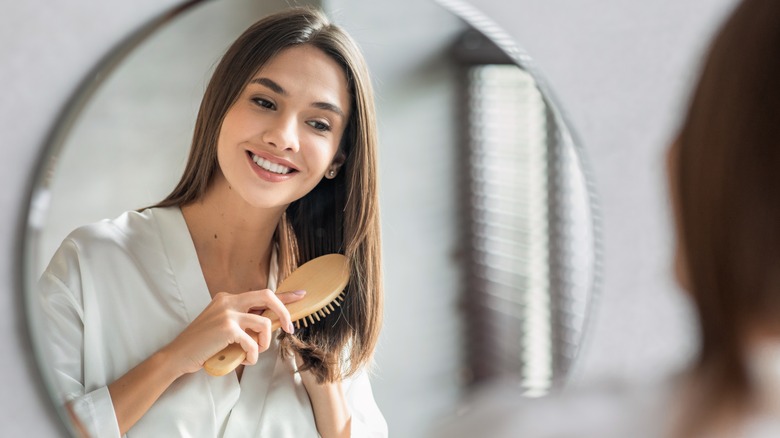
[(269, 166)]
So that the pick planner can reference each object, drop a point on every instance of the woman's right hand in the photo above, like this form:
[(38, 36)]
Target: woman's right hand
[(225, 321)]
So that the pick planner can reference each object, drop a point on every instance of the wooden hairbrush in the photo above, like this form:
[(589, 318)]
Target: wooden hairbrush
[(323, 278)]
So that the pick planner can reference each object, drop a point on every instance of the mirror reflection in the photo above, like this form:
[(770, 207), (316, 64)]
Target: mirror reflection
[(527, 206), (487, 254)]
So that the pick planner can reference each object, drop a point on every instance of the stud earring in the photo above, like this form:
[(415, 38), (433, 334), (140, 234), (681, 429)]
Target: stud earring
[(331, 173)]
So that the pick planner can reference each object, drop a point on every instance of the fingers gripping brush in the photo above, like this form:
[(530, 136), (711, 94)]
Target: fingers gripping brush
[(323, 278)]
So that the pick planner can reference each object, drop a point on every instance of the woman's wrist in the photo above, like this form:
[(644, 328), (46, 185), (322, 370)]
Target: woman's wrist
[(165, 360), (331, 412), (133, 394)]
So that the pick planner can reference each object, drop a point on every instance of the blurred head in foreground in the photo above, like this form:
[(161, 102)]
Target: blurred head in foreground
[(724, 173)]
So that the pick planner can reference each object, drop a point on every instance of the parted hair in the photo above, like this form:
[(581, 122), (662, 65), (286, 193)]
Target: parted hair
[(340, 215)]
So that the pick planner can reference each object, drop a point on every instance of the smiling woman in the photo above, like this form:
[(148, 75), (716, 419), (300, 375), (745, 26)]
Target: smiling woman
[(281, 170)]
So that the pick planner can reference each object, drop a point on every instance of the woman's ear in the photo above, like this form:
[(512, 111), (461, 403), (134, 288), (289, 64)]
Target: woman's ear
[(336, 164)]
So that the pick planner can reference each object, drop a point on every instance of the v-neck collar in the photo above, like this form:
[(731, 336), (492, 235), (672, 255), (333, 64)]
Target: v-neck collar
[(183, 260), (195, 296), (185, 264)]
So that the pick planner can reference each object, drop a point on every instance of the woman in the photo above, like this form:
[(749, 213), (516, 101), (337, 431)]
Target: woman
[(724, 172), (281, 170)]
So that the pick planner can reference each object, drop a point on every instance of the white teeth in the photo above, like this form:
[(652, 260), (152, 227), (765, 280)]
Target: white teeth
[(269, 166)]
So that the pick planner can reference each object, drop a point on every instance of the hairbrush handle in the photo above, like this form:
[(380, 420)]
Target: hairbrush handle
[(231, 356)]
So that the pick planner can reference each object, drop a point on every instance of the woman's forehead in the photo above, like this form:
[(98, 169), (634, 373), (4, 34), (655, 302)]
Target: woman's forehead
[(304, 70)]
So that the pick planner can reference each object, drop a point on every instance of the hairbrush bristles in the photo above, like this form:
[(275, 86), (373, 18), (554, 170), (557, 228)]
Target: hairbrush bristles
[(319, 315)]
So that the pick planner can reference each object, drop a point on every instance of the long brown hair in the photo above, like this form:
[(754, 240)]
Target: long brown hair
[(340, 215), (725, 180)]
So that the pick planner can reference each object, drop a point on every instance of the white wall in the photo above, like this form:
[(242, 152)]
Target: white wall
[(620, 69)]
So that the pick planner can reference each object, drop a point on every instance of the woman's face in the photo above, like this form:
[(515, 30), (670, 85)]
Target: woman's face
[(281, 136)]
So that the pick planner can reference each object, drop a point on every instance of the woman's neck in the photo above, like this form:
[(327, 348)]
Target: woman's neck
[(233, 240)]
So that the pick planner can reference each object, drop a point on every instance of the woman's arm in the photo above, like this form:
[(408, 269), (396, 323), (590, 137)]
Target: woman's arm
[(224, 321), (346, 408), (135, 392), (331, 413)]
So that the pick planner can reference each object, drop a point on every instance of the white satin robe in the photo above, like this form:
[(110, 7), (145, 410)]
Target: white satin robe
[(119, 290)]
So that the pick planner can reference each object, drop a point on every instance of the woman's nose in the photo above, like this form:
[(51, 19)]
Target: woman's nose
[(282, 134)]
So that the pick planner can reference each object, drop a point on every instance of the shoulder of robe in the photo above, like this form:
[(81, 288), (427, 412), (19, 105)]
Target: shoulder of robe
[(106, 242)]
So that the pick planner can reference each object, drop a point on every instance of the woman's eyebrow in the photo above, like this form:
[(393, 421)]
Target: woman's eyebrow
[(276, 88), (329, 107)]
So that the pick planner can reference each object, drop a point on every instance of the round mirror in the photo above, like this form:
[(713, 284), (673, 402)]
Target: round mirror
[(489, 245)]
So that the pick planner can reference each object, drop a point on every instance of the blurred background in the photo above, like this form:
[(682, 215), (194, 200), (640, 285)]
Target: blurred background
[(620, 74)]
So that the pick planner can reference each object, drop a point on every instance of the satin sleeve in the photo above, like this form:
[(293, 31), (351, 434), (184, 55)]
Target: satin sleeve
[(367, 420), (61, 318)]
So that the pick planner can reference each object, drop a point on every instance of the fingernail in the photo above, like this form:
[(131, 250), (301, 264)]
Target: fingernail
[(298, 292), (291, 328)]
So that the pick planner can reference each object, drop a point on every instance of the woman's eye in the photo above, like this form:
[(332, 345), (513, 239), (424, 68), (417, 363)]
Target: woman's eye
[(263, 103), (319, 126)]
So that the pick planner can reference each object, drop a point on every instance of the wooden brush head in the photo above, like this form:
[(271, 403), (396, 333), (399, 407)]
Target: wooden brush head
[(323, 278)]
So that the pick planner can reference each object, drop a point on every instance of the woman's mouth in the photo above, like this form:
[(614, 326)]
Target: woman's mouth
[(269, 166)]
